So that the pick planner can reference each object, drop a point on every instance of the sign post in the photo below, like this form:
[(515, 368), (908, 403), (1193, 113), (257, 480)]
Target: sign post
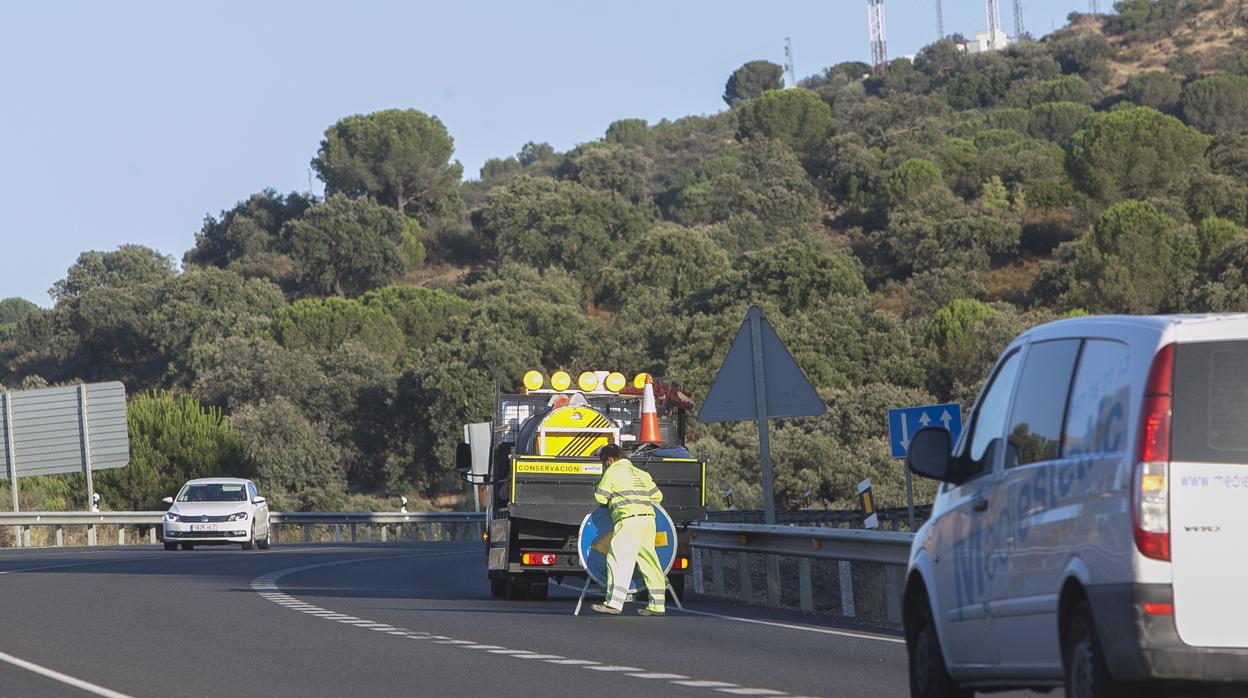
[(759, 380), (905, 422)]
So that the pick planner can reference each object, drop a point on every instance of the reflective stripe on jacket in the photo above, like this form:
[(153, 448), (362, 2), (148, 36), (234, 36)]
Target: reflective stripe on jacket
[(628, 490)]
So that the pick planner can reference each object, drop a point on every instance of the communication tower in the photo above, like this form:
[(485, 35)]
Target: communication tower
[(1018, 20), (940, 22), (875, 26), (788, 62)]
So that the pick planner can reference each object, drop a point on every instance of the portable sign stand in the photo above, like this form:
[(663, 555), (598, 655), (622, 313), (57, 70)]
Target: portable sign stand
[(598, 524), (759, 380)]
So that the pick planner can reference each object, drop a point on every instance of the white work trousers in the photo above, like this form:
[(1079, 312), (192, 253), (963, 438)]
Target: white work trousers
[(632, 546)]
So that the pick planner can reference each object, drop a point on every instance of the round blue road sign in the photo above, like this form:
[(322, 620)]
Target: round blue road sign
[(595, 541)]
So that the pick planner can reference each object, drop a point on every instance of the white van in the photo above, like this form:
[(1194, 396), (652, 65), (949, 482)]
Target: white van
[(1092, 528)]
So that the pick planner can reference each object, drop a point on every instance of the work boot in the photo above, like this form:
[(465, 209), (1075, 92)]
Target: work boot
[(603, 608), (648, 612)]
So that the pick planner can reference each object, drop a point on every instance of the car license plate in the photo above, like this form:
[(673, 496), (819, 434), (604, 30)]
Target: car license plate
[(203, 527)]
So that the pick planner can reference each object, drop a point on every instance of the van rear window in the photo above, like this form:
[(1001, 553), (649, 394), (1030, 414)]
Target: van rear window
[(1210, 422)]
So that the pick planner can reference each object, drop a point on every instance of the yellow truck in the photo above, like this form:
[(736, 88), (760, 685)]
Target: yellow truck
[(543, 468)]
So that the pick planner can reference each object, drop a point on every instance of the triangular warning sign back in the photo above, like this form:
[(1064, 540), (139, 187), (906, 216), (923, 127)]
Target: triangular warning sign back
[(732, 397)]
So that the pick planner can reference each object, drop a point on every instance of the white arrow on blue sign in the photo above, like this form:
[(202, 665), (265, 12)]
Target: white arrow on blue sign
[(905, 422)]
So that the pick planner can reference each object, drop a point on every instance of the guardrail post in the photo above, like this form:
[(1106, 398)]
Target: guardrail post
[(337, 533), (845, 573), (307, 533), (744, 581), (60, 536), (384, 529), (805, 595), (696, 564), (151, 535), (26, 536), (277, 531), (892, 592), (353, 532), (717, 573), (411, 532), (91, 534), (121, 534), (772, 564)]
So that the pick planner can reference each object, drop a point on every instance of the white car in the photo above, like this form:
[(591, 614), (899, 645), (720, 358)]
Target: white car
[(217, 511), (1090, 530)]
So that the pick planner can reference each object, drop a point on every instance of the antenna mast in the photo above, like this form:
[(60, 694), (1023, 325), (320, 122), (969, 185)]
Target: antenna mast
[(875, 25), (940, 22), (1094, 6), (788, 62), (1018, 20), (994, 23)]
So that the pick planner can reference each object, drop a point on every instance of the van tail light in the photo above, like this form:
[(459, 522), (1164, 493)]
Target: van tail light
[(1159, 609), (1151, 485)]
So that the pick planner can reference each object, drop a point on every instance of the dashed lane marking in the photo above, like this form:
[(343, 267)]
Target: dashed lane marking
[(266, 586)]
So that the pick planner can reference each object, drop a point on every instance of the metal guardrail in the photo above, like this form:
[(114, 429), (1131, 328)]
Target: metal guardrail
[(807, 544), (432, 525), (894, 519)]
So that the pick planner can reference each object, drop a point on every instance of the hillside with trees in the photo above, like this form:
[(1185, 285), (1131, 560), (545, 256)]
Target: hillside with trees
[(897, 231)]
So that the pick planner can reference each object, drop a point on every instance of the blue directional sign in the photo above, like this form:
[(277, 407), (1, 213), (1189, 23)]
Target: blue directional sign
[(905, 422), (595, 541)]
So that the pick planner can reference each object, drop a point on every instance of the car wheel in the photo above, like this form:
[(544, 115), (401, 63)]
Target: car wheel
[(1087, 675), (251, 540), (267, 541), (171, 546), (929, 678), (188, 546)]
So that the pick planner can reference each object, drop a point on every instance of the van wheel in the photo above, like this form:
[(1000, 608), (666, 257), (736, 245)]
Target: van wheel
[(1087, 675), (928, 676)]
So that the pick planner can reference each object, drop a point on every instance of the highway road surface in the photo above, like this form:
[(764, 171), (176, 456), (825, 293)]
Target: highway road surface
[(389, 620)]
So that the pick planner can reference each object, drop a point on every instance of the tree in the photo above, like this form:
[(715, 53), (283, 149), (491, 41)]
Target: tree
[(796, 117), (297, 466), (172, 439), (1134, 154), (127, 266), (248, 238), (672, 260), (633, 132), (399, 157), (1217, 104), (13, 311), (1222, 285), (1156, 89), (1213, 233), (323, 325), (621, 169), (751, 80), (1058, 121), (1136, 260), (1068, 88), (912, 178), (1228, 155), (345, 247), (420, 313)]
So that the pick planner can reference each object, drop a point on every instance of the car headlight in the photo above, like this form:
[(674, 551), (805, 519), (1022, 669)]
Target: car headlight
[(240, 516), (170, 516)]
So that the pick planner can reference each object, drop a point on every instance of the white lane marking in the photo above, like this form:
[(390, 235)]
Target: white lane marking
[(790, 626), (63, 678), (266, 587)]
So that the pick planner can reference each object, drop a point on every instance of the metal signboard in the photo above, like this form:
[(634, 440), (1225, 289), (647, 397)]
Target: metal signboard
[(79, 428), (905, 422)]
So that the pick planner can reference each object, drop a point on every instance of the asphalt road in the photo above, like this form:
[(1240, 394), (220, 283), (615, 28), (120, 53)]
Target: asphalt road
[(386, 620)]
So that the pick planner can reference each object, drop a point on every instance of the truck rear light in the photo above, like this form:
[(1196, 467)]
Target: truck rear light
[(1151, 486), (538, 559), (682, 563)]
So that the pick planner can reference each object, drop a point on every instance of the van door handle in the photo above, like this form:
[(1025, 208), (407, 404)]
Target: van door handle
[(980, 504)]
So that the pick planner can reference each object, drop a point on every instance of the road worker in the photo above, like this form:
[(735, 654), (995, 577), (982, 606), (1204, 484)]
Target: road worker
[(631, 494)]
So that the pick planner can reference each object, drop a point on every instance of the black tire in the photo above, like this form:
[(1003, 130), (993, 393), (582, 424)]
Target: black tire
[(267, 541), (678, 585), (1083, 661), (171, 546), (498, 586), (251, 540), (539, 589), (517, 587), (929, 678), (188, 546)]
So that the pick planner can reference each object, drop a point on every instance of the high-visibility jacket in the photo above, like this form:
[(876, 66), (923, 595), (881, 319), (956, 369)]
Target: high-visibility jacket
[(628, 490)]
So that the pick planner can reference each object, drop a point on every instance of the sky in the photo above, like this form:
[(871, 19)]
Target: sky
[(129, 122)]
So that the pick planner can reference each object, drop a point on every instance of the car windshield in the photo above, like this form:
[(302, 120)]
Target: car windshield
[(213, 492)]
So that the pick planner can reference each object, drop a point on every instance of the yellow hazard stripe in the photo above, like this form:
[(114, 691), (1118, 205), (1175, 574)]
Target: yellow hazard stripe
[(582, 445)]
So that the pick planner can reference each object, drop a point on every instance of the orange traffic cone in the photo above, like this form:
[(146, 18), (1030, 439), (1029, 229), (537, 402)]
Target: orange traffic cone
[(649, 416)]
